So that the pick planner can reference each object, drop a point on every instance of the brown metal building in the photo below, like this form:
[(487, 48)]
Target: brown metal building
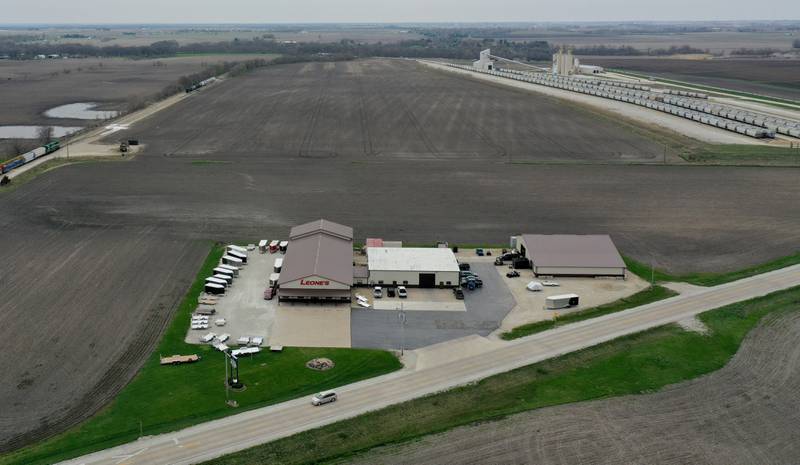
[(318, 266), (572, 255)]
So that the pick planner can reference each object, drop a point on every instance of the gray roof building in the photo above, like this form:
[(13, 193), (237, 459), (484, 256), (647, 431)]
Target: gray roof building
[(322, 226), (572, 255), (318, 264)]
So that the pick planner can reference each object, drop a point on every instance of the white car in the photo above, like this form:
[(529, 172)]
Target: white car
[(377, 292), (402, 292), (323, 397)]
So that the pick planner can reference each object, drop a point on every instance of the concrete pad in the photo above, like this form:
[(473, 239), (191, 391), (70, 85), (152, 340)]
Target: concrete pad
[(312, 326), (421, 305), (243, 305), (592, 291), (450, 351), (419, 299)]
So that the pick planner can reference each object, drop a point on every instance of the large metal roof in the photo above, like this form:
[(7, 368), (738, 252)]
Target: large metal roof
[(411, 259), (568, 250), (318, 254), (323, 226)]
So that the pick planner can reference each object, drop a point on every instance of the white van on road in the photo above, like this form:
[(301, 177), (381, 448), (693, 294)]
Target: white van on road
[(323, 397)]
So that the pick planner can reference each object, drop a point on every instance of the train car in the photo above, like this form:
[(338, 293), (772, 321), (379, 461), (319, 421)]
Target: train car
[(51, 147), (11, 164)]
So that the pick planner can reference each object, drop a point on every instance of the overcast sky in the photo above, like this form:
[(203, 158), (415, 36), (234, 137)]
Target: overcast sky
[(266, 11)]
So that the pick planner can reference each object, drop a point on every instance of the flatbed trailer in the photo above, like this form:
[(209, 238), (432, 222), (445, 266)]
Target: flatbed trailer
[(179, 359)]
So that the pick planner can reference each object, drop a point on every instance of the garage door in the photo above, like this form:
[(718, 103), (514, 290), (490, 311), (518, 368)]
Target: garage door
[(427, 280)]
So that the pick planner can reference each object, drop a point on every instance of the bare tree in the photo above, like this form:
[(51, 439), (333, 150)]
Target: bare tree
[(45, 134)]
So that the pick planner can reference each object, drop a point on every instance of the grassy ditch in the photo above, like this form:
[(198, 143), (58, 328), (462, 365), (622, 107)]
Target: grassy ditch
[(167, 398), (744, 154), (639, 363), (649, 295), (710, 279)]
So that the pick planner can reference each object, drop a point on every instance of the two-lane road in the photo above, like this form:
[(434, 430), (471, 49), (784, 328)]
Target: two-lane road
[(216, 438)]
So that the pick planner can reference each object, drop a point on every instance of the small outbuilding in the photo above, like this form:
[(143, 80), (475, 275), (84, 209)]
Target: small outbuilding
[(572, 255), (412, 266)]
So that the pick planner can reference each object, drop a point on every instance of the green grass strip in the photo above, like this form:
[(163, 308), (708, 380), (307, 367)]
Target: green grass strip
[(167, 398), (649, 295), (710, 279), (639, 363)]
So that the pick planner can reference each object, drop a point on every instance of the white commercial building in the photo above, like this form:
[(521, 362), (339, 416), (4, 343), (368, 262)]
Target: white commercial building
[(422, 267)]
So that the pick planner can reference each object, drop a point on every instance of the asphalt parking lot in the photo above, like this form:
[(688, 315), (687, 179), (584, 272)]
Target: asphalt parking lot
[(486, 308)]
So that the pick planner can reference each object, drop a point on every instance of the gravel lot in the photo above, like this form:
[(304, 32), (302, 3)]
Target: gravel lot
[(745, 413), (100, 253)]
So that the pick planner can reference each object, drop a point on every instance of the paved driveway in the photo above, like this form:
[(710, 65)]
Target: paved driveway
[(486, 308)]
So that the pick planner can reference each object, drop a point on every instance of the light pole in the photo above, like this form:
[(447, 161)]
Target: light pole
[(401, 317), (225, 359)]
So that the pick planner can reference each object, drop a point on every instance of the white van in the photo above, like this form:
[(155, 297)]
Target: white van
[(323, 397)]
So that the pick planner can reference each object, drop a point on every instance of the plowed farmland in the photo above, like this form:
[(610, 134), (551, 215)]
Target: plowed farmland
[(97, 255), (743, 414)]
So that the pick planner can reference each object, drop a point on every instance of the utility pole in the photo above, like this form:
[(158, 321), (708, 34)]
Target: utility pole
[(225, 359), (401, 316)]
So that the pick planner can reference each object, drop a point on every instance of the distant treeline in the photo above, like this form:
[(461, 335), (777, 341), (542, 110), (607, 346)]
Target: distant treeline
[(758, 52), (626, 50), (448, 46)]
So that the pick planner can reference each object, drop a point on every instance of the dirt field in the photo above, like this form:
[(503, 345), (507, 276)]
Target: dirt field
[(85, 304), (386, 109), (101, 252), (777, 78), (31, 87), (745, 413)]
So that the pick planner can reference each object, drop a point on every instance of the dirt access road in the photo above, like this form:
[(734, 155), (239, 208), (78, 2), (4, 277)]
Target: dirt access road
[(745, 413), (219, 437)]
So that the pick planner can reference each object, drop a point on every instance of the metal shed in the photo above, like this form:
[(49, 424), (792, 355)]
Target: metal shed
[(572, 255)]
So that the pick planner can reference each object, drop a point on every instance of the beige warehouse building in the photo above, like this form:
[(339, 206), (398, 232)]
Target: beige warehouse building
[(572, 255), (419, 267)]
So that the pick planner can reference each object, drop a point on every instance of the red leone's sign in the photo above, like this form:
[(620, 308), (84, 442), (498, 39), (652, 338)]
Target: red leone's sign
[(303, 282)]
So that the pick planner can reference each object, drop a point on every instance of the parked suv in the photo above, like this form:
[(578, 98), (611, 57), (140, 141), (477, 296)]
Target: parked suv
[(389, 292), (323, 397)]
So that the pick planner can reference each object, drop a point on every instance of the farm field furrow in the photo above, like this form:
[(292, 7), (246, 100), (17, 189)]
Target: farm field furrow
[(104, 251)]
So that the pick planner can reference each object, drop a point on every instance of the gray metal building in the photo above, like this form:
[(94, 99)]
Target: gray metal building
[(572, 255), (318, 266)]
